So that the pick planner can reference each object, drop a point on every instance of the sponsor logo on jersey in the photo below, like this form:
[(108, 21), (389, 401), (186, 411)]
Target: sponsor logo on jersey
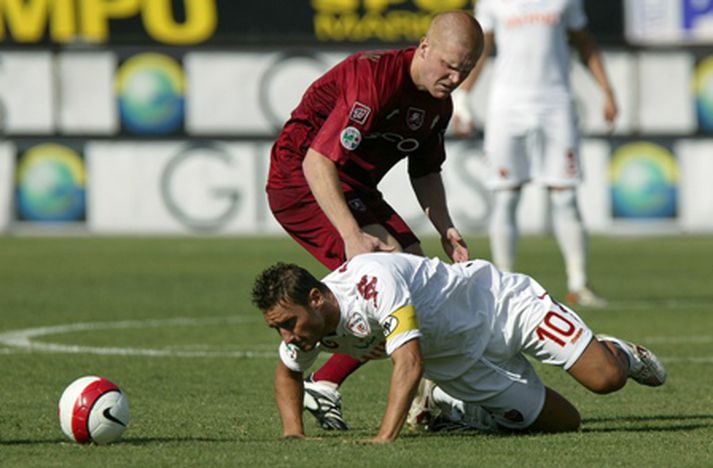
[(357, 204), (415, 117), (292, 352), (357, 324), (350, 138), (359, 113)]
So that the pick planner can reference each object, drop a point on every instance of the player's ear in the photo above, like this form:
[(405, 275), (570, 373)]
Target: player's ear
[(316, 298)]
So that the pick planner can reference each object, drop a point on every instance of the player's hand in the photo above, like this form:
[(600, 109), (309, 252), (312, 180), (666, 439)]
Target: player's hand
[(454, 245), (363, 242), (611, 111)]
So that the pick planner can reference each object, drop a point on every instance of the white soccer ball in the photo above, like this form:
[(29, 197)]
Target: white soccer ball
[(93, 409)]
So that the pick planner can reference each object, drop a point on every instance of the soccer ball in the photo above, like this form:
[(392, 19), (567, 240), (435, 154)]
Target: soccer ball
[(93, 409)]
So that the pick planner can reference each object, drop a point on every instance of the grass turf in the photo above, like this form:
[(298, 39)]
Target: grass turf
[(206, 399)]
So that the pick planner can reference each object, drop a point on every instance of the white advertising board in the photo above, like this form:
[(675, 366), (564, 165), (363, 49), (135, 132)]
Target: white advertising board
[(696, 194), (86, 82), (172, 187), (7, 176), (27, 94), (248, 93)]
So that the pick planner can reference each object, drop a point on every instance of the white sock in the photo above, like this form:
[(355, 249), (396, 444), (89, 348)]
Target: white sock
[(503, 228), (571, 237)]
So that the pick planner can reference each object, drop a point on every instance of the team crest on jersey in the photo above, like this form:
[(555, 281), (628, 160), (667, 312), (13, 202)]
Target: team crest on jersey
[(414, 118), (350, 138), (359, 113), (357, 324)]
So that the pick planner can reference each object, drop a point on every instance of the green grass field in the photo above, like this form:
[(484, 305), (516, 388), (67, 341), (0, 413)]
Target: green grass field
[(170, 321)]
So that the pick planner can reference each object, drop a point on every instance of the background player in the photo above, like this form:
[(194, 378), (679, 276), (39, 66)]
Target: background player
[(352, 125), (465, 326), (531, 113)]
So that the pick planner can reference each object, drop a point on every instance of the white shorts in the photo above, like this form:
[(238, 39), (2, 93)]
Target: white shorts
[(503, 381), (523, 145)]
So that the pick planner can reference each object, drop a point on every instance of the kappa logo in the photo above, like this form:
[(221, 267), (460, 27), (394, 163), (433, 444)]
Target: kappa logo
[(390, 325), (367, 289), (350, 138), (415, 117), (359, 113), (358, 325), (357, 204)]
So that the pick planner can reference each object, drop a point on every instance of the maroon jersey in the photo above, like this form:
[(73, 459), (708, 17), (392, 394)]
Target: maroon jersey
[(365, 114)]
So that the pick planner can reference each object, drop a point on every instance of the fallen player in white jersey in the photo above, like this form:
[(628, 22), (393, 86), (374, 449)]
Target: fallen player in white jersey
[(467, 327)]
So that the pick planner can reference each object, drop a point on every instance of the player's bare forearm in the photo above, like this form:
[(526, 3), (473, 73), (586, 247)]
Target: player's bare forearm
[(432, 197), (323, 180), (289, 392), (405, 377)]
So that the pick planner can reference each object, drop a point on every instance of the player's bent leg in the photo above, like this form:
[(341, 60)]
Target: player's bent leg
[(642, 365), (557, 415), (600, 368)]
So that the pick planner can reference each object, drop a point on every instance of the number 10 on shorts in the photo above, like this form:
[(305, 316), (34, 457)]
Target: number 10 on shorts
[(558, 328)]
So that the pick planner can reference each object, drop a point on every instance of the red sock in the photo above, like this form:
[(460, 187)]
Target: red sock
[(337, 369)]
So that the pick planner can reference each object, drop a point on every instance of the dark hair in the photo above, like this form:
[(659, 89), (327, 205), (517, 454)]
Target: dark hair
[(284, 282)]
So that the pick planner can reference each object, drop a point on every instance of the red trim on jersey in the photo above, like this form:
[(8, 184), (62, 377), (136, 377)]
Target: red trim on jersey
[(83, 407)]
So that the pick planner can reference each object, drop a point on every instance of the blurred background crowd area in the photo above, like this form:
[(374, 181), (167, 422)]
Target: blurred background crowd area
[(157, 116)]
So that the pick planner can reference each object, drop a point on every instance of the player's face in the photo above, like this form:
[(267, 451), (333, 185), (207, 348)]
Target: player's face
[(445, 68), (296, 324)]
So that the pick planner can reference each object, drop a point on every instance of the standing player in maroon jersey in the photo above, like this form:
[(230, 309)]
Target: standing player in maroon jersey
[(354, 124)]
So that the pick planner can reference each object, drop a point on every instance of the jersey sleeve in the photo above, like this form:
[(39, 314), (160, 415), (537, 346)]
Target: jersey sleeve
[(485, 15), (295, 359), (392, 306), (353, 113), (575, 18)]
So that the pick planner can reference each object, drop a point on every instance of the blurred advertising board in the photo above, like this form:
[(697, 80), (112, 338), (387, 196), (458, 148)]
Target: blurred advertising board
[(669, 22)]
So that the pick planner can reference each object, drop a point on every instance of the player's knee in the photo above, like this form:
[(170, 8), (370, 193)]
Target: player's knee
[(564, 201)]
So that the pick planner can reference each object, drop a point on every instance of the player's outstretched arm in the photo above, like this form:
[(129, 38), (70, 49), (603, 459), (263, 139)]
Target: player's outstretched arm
[(323, 180), (405, 376), (289, 392), (432, 197)]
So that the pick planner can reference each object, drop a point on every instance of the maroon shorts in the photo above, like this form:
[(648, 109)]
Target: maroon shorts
[(300, 215)]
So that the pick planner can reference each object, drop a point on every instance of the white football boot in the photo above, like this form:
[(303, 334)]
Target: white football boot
[(325, 403), (644, 366)]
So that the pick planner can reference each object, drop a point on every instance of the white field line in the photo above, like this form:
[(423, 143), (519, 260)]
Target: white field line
[(17, 341), (23, 340)]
